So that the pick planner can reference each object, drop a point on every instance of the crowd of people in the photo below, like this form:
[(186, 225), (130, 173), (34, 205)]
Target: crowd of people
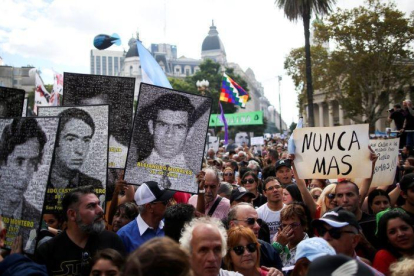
[(252, 215)]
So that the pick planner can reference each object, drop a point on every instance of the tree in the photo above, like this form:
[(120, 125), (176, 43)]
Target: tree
[(295, 9), (211, 71), (373, 59)]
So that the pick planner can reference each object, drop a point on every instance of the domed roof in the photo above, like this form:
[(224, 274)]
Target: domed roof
[(133, 50), (212, 41)]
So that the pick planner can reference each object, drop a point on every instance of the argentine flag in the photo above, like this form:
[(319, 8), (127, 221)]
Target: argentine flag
[(151, 70)]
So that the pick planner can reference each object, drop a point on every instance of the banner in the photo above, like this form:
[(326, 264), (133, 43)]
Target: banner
[(257, 141), (81, 154), (386, 165), (118, 92), (11, 102), (332, 152), (27, 144), (213, 143), (168, 138), (238, 119)]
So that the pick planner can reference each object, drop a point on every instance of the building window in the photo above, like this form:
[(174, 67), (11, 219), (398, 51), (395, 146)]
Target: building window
[(110, 66), (116, 66), (104, 66), (98, 65), (92, 64), (187, 72)]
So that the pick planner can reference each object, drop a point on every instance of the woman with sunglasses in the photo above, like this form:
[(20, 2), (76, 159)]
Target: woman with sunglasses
[(250, 183), (396, 231), (293, 228), (243, 252), (326, 201), (315, 193), (229, 177)]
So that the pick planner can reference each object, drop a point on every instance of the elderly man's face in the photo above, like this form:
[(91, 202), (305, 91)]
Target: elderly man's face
[(21, 163), (206, 249), (347, 241), (170, 132), (244, 215), (74, 142), (211, 186)]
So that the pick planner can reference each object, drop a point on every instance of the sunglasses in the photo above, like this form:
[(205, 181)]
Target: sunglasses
[(335, 233), (292, 225), (330, 196), (251, 221), (239, 250), (228, 174), (250, 180)]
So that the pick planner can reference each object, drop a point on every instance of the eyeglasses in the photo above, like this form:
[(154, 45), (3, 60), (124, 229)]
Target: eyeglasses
[(335, 233), (250, 180), (273, 187), (239, 250), (250, 221), (316, 196), (330, 196), (292, 225), (228, 174)]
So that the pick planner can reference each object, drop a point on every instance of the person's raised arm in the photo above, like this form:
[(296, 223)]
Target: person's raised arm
[(366, 183), (307, 197)]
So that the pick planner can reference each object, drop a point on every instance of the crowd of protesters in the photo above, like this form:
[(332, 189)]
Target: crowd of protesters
[(252, 215)]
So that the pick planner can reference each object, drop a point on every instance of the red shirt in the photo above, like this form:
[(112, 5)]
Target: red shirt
[(382, 261), (181, 197)]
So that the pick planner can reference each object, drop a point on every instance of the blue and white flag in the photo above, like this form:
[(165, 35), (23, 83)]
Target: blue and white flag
[(151, 70)]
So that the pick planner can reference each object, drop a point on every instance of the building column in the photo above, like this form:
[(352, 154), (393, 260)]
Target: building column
[(304, 115), (341, 115), (320, 114), (331, 117)]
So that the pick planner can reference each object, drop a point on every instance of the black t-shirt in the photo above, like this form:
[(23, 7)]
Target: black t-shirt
[(369, 226), (259, 201), (269, 256), (63, 257), (398, 118)]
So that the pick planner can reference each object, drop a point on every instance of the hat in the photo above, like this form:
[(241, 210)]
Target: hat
[(337, 218), (283, 163), (407, 181), (238, 193), (338, 265), (149, 192), (313, 248)]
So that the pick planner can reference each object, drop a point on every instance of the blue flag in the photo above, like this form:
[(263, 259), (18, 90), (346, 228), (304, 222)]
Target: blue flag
[(151, 70)]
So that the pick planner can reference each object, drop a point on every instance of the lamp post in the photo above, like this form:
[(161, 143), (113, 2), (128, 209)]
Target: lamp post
[(279, 78), (202, 86)]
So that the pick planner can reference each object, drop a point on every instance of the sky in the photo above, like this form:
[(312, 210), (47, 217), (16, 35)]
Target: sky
[(58, 34)]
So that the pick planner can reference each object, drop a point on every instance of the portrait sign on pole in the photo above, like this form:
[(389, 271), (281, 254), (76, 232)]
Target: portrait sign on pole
[(26, 152), (118, 92), (332, 152), (81, 154), (387, 162), (11, 102), (257, 141), (168, 138)]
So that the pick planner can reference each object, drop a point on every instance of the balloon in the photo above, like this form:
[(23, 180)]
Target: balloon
[(104, 41)]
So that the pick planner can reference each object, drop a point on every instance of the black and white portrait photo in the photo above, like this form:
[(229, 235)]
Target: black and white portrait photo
[(168, 138), (81, 156), (11, 102), (242, 139), (26, 151), (118, 92)]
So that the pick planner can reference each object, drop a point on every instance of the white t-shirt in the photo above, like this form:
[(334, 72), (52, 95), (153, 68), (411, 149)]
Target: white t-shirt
[(272, 218)]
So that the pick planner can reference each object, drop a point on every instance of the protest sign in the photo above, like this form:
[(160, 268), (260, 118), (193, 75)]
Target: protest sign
[(257, 141), (332, 152), (81, 154), (238, 119), (26, 152), (386, 165), (168, 138), (11, 102), (213, 143), (118, 92)]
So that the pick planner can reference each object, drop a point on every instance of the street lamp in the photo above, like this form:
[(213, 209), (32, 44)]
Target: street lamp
[(202, 86)]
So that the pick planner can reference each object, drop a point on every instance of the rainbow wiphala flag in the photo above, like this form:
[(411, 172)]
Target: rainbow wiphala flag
[(233, 93)]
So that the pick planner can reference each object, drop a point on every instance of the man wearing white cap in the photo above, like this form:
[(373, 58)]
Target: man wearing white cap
[(152, 203)]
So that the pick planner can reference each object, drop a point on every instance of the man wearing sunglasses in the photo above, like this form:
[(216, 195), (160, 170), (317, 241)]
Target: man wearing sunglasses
[(152, 203), (341, 230), (245, 215)]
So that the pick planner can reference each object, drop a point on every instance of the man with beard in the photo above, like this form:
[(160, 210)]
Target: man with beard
[(70, 253)]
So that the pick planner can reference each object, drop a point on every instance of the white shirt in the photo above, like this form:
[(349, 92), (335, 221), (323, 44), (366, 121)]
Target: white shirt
[(143, 226), (272, 218)]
